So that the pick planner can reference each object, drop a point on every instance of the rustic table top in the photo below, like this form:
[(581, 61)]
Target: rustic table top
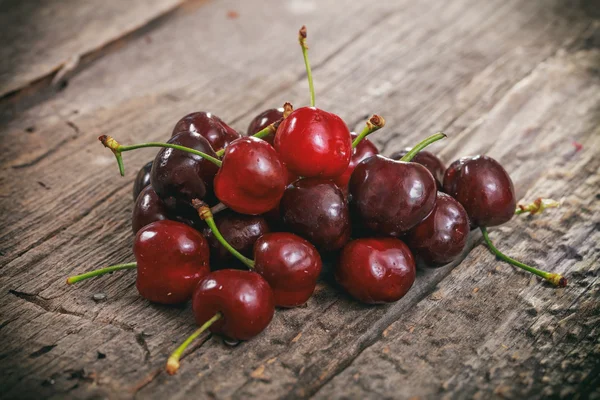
[(518, 80)]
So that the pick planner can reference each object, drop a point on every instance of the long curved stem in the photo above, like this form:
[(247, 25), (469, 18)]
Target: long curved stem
[(173, 361), (271, 128), (118, 149), (302, 40), (553, 278), (102, 271), (205, 214), (373, 124), (431, 139)]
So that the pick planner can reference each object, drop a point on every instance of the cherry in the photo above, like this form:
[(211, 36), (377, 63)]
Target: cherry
[(483, 187), (264, 119), (148, 208), (313, 142), (209, 126), (241, 231), (428, 160), (288, 262), (390, 196), (442, 236), (237, 304), (142, 179), (317, 210), (376, 270), (252, 178)]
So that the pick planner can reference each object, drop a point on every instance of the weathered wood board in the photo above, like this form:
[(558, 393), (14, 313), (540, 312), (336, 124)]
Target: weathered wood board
[(517, 80)]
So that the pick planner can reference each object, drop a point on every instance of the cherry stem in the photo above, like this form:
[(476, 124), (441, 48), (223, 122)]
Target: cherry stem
[(373, 124), (302, 40), (117, 149), (553, 278), (218, 208), (413, 152), (102, 271), (537, 207), (272, 128), (206, 215), (173, 361)]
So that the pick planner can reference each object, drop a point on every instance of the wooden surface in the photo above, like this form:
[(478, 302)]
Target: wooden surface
[(517, 80)]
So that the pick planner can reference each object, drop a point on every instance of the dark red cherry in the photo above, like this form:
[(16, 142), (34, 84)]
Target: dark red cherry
[(484, 189), (376, 270), (171, 259), (243, 298), (264, 119), (148, 208), (318, 211), (239, 230), (252, 178), (142, 179), (428, 160), (314, 143), (363, 150), (178, 176), (290, 264), (442, 236), (209, 126), (390, 196)]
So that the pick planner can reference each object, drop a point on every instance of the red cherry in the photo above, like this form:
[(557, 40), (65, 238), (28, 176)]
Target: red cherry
[(148, 208), (244, 299), (209, 126), (171, 258), (142, 179), (264, 119), (252, 178), (314, 143), (362, 151), (377, 270)]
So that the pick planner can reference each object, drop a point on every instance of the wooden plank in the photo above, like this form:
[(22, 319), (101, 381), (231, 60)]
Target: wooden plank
[(437, 70), (44, 38)]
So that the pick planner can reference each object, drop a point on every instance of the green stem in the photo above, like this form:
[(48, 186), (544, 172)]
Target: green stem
[(272, 128), (302, 40), (431, 139), (373, 124), (173, 361), (555, 279), (205, 214), (74, 279), (118, 149)]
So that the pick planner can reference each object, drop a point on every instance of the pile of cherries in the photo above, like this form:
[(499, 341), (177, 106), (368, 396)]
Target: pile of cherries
[(299, 185)]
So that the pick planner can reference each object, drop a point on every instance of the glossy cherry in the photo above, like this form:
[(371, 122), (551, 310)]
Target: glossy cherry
[(442, 236), (148, 208), (252, 178), (376, 270), (483, 187), (209, 126), (142, 179), (263, 120), (363, 150), (171, 259), (317, 210), (241, 232), (429, 161), (288, 262)]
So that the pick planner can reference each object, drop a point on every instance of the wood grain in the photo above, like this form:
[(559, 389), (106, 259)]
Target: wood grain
[(516, 80)]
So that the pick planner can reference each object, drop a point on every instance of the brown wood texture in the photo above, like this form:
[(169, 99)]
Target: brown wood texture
[(517, 80)]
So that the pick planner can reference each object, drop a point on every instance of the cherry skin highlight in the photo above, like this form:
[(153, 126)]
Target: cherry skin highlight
[(317, 210), (240, 231), (142, 179), (314, 143), (244, 299), (290, 264), (148, 208), (264, 119), (171, 259), (376, 270), (362, 151), (429, 161), (252, 178), (209, 126), (390, 197), (484, 189), (442, 236)]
